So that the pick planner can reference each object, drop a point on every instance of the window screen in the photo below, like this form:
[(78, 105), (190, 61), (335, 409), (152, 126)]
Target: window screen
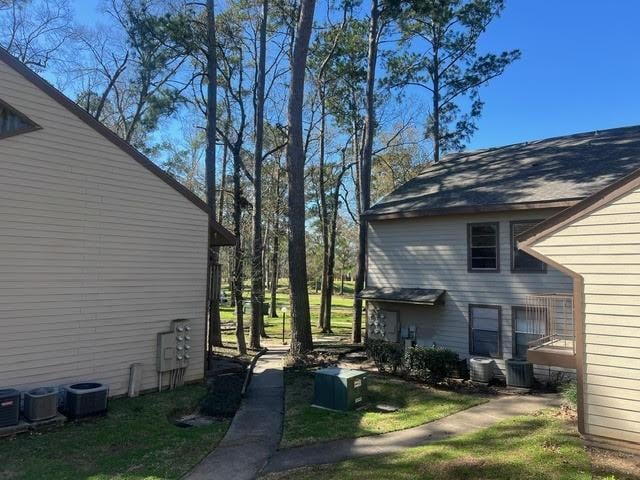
[(483, 246), (522, 261), (485, 330), (527, 327)]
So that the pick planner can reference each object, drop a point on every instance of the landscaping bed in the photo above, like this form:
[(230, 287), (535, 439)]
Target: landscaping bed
[(542, 446), (416, 404), (137, 439)]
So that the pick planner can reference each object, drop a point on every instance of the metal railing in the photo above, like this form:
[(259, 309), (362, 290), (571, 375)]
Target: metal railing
[(554, 311)]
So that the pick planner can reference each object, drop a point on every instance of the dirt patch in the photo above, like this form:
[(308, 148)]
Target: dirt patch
[(621, 466)]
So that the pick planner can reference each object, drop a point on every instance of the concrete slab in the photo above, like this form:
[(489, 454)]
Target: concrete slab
[(475, 418), (256, 429)]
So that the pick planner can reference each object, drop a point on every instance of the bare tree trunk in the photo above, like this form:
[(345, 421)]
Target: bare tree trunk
[(274, 272), (365, 169), (275, 254), (215, 334), (324, 227), (301, 339), (257, 274), (237, 270)]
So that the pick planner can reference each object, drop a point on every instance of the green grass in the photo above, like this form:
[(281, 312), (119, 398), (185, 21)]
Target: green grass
[(341, 314), (134, 441), (417, 404), (529, 447)]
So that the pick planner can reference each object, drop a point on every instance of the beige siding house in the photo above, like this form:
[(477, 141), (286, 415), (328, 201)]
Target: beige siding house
[(99, 249), (597, 242), (442, 256)]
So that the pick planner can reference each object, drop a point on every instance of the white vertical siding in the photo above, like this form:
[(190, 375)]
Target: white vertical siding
[(97, 254), (431, 252), (604, 247)]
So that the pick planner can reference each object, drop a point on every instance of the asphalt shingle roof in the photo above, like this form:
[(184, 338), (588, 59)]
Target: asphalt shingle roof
[(567, 168)]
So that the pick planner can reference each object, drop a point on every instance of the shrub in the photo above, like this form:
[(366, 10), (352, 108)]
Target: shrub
[(569, 393), (431, 364), (386, 355)]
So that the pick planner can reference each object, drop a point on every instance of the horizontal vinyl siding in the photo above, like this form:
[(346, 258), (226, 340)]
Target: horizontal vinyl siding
[(431, 252), (604, 247), (97, 254)]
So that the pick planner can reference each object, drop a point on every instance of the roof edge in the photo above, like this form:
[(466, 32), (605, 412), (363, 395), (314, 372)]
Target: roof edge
[(556, 222), (503, 207), (109, 134)]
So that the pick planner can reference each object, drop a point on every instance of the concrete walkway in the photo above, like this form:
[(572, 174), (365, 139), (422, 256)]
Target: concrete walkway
[(256, 429), (467, 421)]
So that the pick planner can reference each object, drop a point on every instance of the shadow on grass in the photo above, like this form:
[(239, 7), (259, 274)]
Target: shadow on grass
[(416, 405)]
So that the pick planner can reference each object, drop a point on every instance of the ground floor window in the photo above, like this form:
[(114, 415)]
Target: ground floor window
[(528, 326), (484, 335)]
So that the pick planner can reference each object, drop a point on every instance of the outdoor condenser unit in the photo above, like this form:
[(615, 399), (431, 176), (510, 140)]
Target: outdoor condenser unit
[(85, 399), (9, 407), (519, 373), (481, 370), (40, 404)]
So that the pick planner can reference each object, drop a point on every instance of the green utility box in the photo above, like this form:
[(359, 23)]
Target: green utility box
[(339, 388)]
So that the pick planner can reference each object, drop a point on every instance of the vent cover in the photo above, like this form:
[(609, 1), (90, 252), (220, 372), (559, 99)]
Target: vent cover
[(13, 122)]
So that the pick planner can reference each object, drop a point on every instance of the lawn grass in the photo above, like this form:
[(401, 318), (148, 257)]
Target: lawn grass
[(341, 315), (134, 441), (528, 447), (417, 404)]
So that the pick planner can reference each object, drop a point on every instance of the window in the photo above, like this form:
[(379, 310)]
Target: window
[(13, 122), (484, 325), (522, 261), (484, 252), (528, 325)]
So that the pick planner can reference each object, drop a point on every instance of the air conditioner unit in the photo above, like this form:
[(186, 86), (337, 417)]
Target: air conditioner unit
[(85, 399), (519, 373), (9, 407), (40, 404), (481, 370)]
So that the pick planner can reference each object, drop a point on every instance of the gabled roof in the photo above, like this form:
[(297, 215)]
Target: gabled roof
[(568, 216), (555, 172), (220, 232)]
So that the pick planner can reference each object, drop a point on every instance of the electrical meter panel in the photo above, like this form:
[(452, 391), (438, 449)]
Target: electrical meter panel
[(174, 347)]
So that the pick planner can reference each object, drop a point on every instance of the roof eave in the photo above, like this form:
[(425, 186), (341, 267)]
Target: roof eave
[(468, 209)]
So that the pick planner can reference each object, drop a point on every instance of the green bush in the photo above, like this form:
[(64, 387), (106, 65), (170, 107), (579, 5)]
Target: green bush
[(386, 355), (431, 364), (569, 393)]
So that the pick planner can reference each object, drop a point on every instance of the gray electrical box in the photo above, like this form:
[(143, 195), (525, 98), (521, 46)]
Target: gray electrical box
[(339, 388), (174, 347), (384, 325)]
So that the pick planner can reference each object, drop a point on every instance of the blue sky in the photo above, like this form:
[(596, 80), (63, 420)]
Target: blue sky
[(580, 68)]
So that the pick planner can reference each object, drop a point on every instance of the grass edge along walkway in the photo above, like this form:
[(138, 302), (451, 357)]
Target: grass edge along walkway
[(466, 421)]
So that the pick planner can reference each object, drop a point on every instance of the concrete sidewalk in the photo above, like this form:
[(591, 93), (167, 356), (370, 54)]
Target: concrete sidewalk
[(467, 421), (256, 429)]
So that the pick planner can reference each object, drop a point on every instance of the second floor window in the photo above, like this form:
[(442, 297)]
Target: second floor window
[(522, 261), (484, 251)]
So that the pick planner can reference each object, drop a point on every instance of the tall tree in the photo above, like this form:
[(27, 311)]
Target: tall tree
[(365, 165), (301, 340), (445, 62), (214, 268), (257, 274)]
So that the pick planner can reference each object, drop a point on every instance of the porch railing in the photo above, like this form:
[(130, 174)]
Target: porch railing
[(555, 312)]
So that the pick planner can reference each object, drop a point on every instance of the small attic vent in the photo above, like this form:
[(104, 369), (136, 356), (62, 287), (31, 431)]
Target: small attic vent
[(13, 122)]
